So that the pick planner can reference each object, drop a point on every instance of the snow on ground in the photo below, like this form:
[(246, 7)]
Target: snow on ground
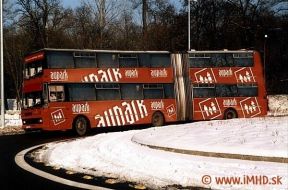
[(257, 136), (278, 105), (12, 123), (116, 155), (12, 119)]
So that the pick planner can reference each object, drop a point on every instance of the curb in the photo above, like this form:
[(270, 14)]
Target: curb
[(20, 161), (217, 155)]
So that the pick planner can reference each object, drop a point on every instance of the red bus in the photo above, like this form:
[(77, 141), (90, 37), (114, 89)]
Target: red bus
[(226, 84), (82, 89)]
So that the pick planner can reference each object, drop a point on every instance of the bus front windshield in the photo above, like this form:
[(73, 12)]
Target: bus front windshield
[(33, 99)]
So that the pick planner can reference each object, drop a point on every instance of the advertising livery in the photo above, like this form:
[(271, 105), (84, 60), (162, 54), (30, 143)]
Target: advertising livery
[(82, 89)]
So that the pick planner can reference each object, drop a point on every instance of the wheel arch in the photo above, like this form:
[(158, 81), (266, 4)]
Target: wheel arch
[(230, 109), (158, 112), (81, 115)]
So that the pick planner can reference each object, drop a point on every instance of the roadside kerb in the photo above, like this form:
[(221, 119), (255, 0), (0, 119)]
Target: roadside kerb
[(216, 154)]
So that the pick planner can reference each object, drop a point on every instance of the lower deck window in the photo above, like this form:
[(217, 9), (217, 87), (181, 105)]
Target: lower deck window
[(222, 90)]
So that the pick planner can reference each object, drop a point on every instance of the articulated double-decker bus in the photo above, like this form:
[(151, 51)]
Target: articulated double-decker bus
[(83, 89), (226, 84)]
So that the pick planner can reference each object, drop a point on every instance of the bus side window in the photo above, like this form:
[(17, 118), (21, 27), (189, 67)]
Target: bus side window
[(243, 59), (226, 90), (160, 60), (108, 91), (203, 92), (200, 60), (85, 59), (88, 92), (169, 90), (248, 90), (107, 60), (56, 93), (131, 91), (144, 60), (128, 60), (153, 91), (60, 59), (222, 60)]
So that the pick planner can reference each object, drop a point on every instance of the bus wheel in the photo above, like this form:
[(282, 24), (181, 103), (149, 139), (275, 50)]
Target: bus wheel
[(230, 114), (157, 119), (80, 126)]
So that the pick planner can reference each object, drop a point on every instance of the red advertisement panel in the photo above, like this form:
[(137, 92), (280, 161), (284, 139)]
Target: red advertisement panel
[(101, 113), (113, 75), (34, 57), (227, 75), (214, 108)]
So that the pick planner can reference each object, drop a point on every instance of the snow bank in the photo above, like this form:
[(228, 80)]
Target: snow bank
[(12, 119), (278, 105), (115, 155), (266, 136)]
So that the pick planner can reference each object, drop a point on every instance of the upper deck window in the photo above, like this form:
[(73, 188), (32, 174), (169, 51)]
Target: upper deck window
[(60, 59), (33, 69), (85, 59), (222, 60), (160, 60), (107, 60), (128, 60), (243, 59), (200, 60), (203, 60)]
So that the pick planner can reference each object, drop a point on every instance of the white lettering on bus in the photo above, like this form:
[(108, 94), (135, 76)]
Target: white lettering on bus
[(230, 102), (225, 72), (132, 73), (109, 75), (158, 105), (80, 108), (159, 73), (127, 113), (59, 75)]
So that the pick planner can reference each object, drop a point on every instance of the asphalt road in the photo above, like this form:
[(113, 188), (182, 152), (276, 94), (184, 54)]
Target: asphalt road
[(13, 177)]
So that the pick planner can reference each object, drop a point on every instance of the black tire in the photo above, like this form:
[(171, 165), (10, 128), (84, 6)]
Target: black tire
[(81, 126), (230, 114), (158, 119)]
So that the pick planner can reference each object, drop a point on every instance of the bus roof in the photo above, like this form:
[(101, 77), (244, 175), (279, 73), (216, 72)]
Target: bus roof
[(222, 51), (97, 51)]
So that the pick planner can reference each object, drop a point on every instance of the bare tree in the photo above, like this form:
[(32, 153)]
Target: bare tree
[(38, 15), (105, 13)]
